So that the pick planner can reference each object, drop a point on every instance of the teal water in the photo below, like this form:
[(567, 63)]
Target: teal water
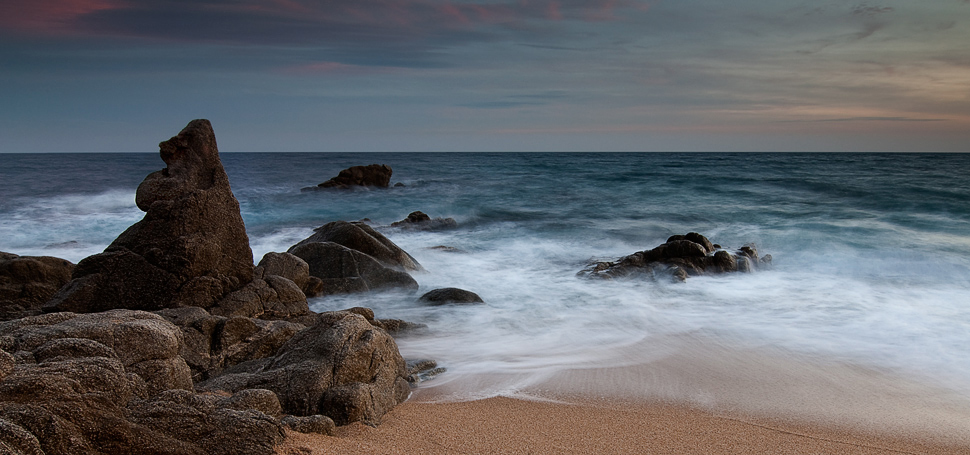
[(871, 251)]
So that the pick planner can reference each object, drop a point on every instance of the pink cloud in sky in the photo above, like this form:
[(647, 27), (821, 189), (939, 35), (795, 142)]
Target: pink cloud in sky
[(48, 16), (333, 68)]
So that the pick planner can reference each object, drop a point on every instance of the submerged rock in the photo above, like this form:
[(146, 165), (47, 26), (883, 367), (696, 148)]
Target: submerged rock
[(453, 296), (27, 282), (342, 270), (191, 247), (352, 257), (682, 256), (376, 175), (419, 221)]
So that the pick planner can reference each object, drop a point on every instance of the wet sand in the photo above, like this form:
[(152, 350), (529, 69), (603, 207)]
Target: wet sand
[(513, 426), (699, 398)]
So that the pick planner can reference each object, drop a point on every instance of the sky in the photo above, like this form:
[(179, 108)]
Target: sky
[(487, 75)]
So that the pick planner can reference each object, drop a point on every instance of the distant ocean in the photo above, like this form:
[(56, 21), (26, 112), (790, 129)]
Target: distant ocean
[(871, 251)]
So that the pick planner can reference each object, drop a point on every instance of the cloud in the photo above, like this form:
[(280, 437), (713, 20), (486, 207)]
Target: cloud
[(871, 11), (879, 119)]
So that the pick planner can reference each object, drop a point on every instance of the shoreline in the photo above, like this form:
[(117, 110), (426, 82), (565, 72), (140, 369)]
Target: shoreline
[(700, 397), (511, 425)]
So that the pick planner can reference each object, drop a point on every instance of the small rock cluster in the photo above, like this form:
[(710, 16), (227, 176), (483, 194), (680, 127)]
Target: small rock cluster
[(680, 257)]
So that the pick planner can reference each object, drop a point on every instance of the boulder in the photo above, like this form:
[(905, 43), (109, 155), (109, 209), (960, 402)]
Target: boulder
[(343, 368), (113, 382), (128, 342), (419, 221), (446, 296), (216, 343), (287, 266), (681, 256), (361, 237), (190, 249), (267, 297), (27, 282), (209, 423), (343, 270), (378, 175)]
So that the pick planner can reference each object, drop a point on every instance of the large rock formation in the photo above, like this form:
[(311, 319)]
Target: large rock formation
[(378, 175), (191, 249), (27, 282), (681, 256), (114, 382), (343, 368), (124, 381)]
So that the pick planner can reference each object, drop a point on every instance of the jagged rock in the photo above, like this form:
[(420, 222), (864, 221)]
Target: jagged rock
[(215, 343), (361, 237), (419, 221), (343, 368), (680, 257), (14, 439), (445, 296), (261, 400), (27, 282), (190, 249), (267, 297), (378, 175), (343, 270)]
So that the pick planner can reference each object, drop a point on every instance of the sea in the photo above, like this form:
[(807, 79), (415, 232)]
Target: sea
[(867, 298)]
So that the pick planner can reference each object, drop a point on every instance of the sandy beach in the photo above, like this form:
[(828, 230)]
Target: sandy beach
[(507, 425), (699, 399)]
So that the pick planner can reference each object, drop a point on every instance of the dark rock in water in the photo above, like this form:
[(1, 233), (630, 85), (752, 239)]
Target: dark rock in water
[(680, 257), (399, 185), (423, 370), (378, 175), (343, 368), (343, 270), (447, 249), (191, 249), (445, 296), (419, 221), (27, 282), (361, 237)]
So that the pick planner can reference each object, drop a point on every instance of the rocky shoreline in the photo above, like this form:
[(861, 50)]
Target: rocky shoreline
[(172, 341)]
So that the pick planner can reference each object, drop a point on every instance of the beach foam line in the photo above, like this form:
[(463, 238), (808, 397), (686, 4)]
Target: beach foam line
[(754, 384)]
